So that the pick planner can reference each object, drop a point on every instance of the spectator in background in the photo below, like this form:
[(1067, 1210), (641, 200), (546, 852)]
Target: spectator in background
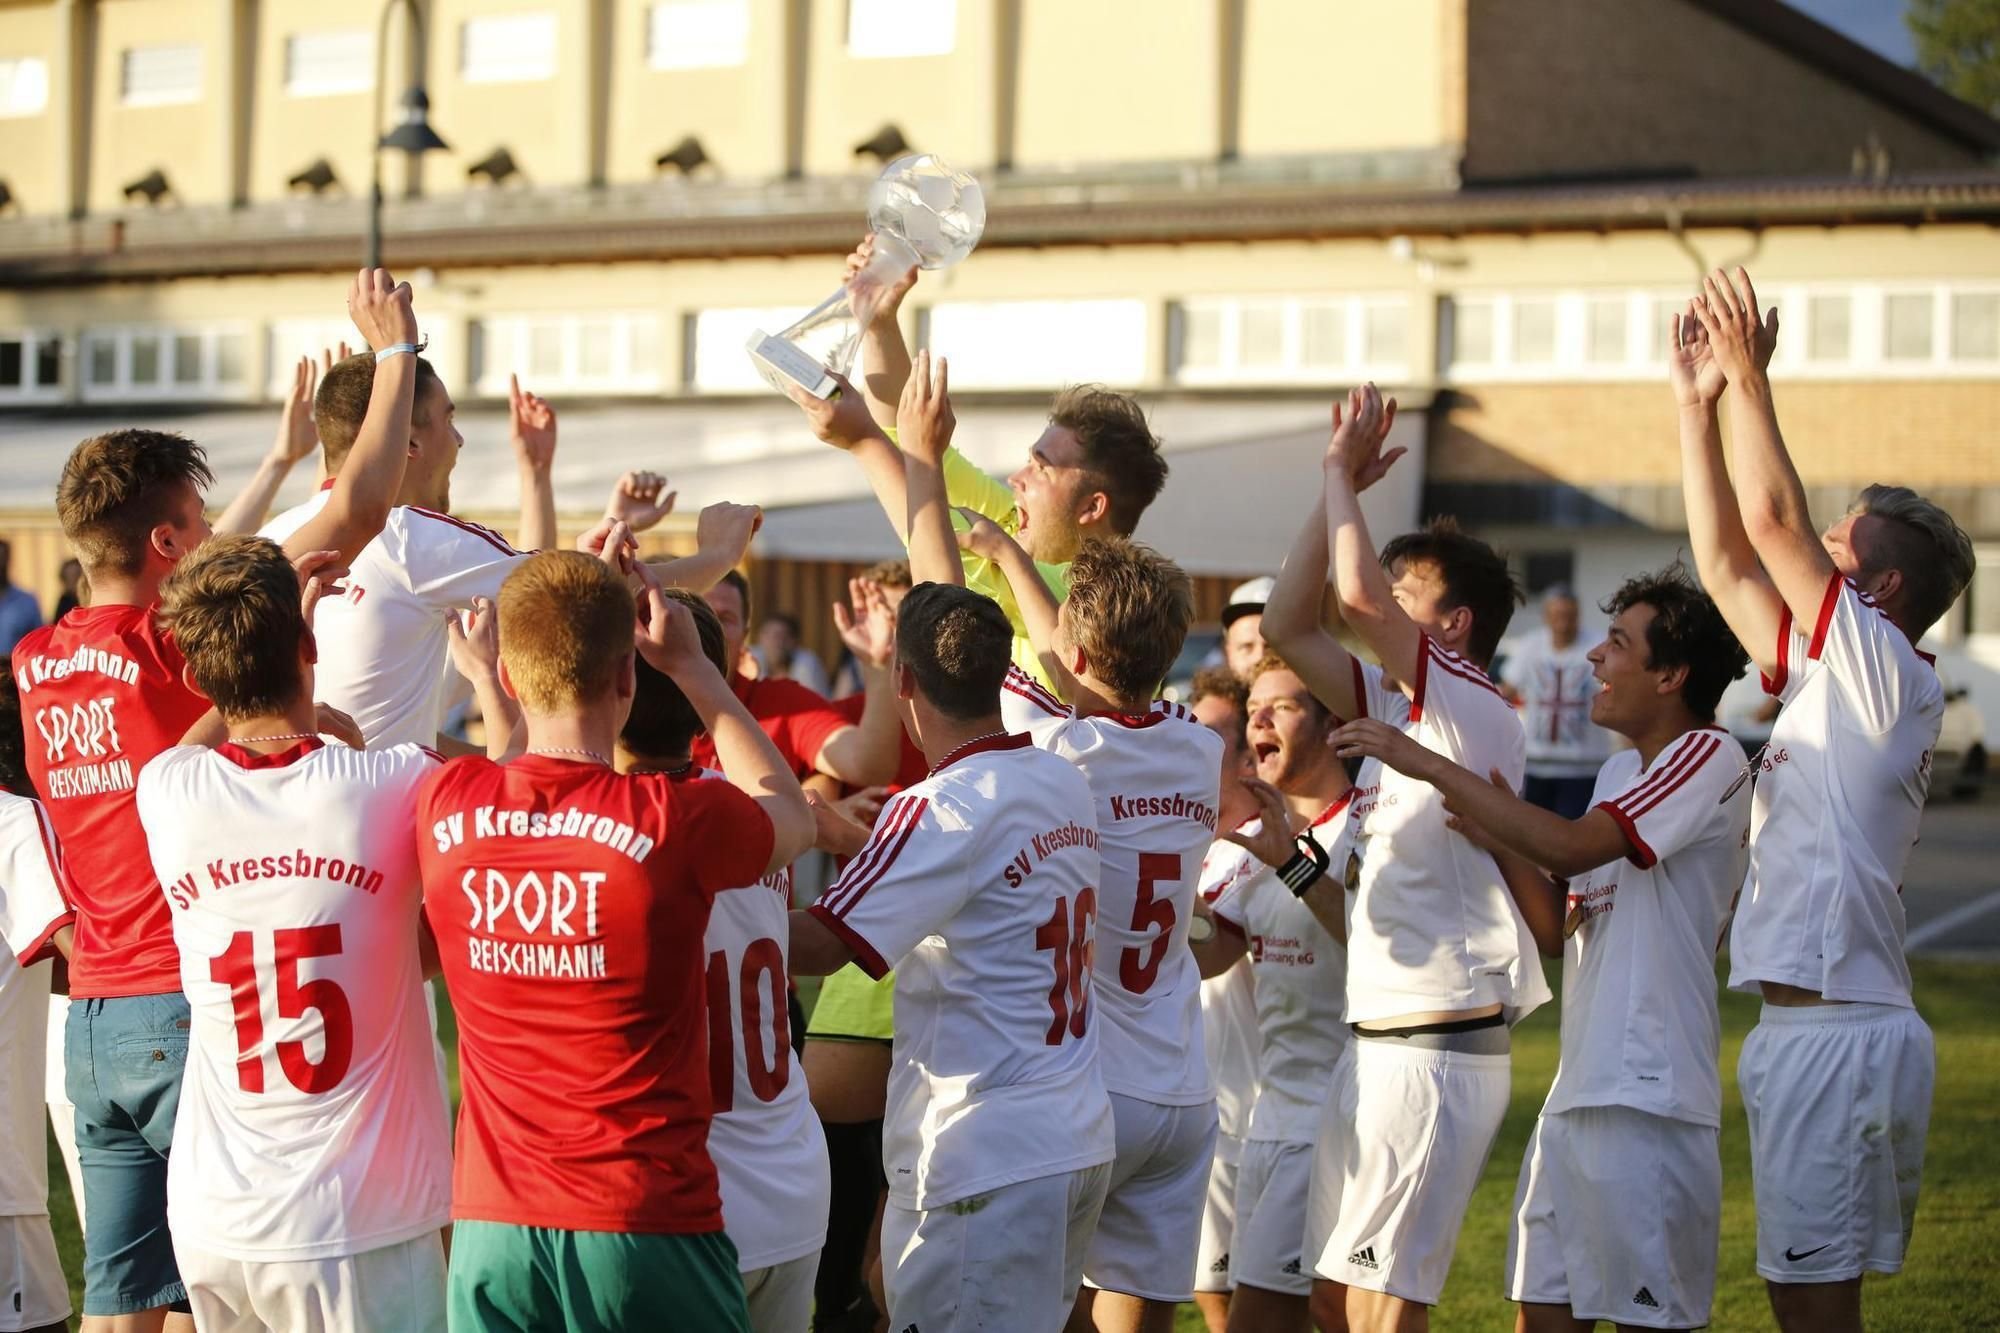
[(19, 612), (73, 590), (1549, 677), (1243, 627), (780, 655), (893, 578)]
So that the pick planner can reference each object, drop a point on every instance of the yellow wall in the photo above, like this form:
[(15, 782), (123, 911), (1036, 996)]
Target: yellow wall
[(738, 113), (30, 150), (287, 134), (942, 103), (1117, 80), (185, 141), (1354, 76), (543, 123)]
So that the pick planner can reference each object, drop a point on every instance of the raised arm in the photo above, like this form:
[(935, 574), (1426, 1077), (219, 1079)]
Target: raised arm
[(296, 439), (722, 536), (1292, 622), (885, 360), (475, 655), (532, 431), (1723, 556), (924, 424), (748, 759), (1276, 842), (1354, 461), (844, 422), (365, 489), (1769, 495), (869, 752), (988, 541), (640, 500)]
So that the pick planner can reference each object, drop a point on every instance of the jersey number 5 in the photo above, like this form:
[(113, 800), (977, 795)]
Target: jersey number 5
[(1072, 937), (1136, 971), (761, 960), (236, 968)]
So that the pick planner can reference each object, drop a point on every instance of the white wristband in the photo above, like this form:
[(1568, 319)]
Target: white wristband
[(395, 349)]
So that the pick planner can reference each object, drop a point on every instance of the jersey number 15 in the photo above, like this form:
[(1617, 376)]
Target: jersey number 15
[(236, 968)]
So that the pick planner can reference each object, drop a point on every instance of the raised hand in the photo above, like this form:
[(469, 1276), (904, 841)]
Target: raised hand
[(329, 357), (381, 309), (982, 536), (296, 435), (728, 528), (666, 636), (532, 426), (1355, 445), (869, 296), (475, 641), (1271, 841), (640, 500), (860, 806), (924, 419), (611, 541), (868, 628), (834, 831), (319, 574), (330, 721), (841, 420), (1366, 738), (1740, 342), (1696, 379)]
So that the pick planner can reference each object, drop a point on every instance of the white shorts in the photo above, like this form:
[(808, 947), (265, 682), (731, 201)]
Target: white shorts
[(33, 1291), (396, 1286), (62, 1114), (1405, 1136), (1150, 1226), (1218, 1218), (1617, 1215), (1839, 1099), (992, 1261), (781, 1295), (1271, 1189)]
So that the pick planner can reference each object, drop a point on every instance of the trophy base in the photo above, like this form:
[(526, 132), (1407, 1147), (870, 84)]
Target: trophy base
[(783, 364)]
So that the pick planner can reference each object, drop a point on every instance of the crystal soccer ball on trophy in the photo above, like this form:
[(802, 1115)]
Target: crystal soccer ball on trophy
[(923, 213)]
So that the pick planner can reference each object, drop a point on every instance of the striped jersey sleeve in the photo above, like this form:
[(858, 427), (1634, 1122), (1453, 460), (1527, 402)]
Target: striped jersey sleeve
[(33, 897), (1675, 801), (911, 878)]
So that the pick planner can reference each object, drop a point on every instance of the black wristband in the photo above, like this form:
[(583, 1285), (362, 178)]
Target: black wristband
[(1308, 864)]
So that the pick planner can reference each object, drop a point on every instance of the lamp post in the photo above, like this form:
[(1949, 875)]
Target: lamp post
[(413, 133)]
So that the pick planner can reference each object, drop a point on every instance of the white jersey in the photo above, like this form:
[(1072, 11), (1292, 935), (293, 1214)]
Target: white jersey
[(769, 1150), (32, 909), (979, 886), (1026, 703), (1556, 686), (1229, 1008), (384, 651), (1432, 926), (1301, 974), (1156, 777), (1839, 796), (1639, 1021), (311, 1120)]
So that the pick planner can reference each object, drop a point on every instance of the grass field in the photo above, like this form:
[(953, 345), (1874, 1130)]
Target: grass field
[(1952, 1280)]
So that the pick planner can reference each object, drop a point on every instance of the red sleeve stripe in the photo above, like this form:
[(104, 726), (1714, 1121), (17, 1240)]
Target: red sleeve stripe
[(435, 756), (480, 530), (1465, 670), (1775, 685), (1234, 928), (865, 956), (52, 850), (1423, 677), (1360, 688), (1671, 779), (1021, 683), (892, 834), (1826, 605), (1637, 851)]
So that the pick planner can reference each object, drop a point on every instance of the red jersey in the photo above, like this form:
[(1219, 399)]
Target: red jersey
[(911, 768), (570, 905), (798, 721), (101, 694)]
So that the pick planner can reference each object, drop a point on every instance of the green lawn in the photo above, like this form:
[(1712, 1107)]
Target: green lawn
[(1952, 1281)]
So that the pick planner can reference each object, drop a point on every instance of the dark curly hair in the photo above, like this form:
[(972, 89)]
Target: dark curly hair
[(1687, 631)]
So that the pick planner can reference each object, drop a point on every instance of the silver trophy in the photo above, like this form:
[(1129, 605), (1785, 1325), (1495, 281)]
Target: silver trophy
[(923, 213)]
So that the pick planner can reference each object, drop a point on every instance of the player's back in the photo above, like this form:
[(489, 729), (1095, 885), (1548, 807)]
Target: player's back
[(311, 1118), (383, 646), (1155, 779)]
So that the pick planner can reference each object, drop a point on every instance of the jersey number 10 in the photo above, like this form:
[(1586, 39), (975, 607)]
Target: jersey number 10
[(762, 960), (1072, 937), (236, 968)]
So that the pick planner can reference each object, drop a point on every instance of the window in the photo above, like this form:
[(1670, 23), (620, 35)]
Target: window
[(24, 87), (1471, 332), (1534, 332), (615, 353), (716, 359), (1984, 593), (1604, 330), (1307, 339), (1906, 326), (190, 363), (13, 362), (1975, 326), (1829, 333), (323, 64), (146, 358), (30, 367), (187, 358), (698, 34), (890, 28), (102, 358), (159, 75), (1660, 337), (508, 48), (1041, 344)]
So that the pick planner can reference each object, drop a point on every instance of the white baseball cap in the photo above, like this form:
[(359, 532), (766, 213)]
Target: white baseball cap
[(1248, 599)]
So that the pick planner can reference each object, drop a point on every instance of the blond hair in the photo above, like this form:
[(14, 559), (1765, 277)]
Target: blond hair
[(1129, 608), (233, 607), (566, 624), (117, 487)]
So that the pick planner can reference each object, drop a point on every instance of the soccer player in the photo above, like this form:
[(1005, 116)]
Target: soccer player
[(978, 885), (1549, 677), (1837, 1075), (107, 693), (570, 904), (1092, 472), (1288, 855), (310, 1167), (1619, 1205), (35, 924), (1154, 771), (1219, 701), (1439, 961), (769, 1153)]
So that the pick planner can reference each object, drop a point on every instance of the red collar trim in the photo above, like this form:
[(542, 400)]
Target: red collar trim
[(1930, 659), (291, 754), (327, 485), (998, 741), (1327, 815)]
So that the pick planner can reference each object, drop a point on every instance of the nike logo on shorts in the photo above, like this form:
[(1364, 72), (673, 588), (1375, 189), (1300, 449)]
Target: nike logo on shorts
[(1804, 1254)]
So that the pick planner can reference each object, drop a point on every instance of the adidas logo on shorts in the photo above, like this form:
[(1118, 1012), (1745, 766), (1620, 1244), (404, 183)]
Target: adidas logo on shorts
[(1220, 1265), (1291, 1269), (1645, 1298), (1364, 1258)]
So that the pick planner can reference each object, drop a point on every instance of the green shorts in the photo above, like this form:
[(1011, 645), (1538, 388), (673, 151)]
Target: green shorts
[(515, 1279), (853, 1007)]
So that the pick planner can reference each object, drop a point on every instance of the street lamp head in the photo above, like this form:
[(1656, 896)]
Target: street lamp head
[(413, 132)]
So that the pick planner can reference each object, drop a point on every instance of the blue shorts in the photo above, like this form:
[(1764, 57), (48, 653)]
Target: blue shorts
[(123, 1059)]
